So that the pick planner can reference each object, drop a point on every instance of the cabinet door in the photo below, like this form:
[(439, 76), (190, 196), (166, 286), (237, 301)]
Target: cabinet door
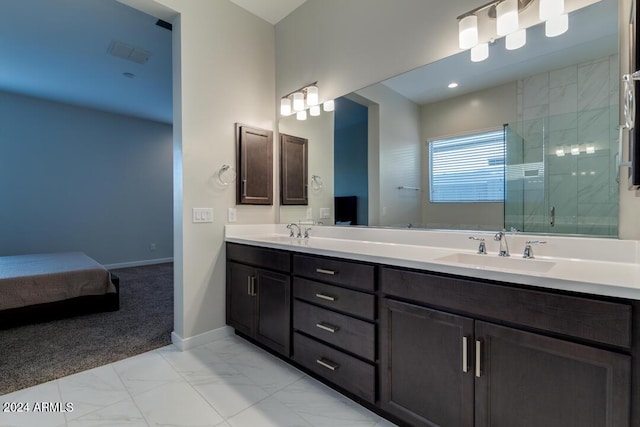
[(293, 170), (532, 380), (274, 312), (240, 298), (255, 166), (426, 377)]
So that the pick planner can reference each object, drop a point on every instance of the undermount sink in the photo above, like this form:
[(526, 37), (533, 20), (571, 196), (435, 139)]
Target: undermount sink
[(279, 239), (498, 262)]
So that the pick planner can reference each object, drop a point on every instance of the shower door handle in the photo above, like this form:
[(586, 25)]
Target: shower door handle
[(552, 222)]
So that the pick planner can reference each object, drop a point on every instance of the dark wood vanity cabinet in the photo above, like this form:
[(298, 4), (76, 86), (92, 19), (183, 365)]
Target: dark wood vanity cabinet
[(293, 170), (259, 295), (255, 166), (334, 322), (429, 349), (485, 373)]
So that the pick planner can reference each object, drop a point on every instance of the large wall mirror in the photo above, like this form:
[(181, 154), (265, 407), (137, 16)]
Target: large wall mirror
[(550, 110)]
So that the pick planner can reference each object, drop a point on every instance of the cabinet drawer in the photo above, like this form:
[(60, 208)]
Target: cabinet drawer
[(345, 273), (353, 335), (351, 302), (586, 318), (351, 374), (261, 257)]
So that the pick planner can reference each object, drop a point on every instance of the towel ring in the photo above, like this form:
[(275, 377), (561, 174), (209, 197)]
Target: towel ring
[(226, 175)]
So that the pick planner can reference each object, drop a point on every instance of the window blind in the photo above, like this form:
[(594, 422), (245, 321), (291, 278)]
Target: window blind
[(467, 168)]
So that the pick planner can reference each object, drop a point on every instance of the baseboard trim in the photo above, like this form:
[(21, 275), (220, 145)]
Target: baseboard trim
[(200, 339), (138, 263)]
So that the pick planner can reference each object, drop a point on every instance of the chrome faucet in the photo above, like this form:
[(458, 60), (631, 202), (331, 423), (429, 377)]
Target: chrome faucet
[(306, 232), (501, 237), (482, 248), (291, 234), (528, 250)]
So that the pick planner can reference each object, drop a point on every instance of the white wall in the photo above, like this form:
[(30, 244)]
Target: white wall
[(319, 131), (224, 72), (481, 110), (78, 179)]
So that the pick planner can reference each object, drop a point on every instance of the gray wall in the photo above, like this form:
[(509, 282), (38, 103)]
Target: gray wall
[(76, 179)]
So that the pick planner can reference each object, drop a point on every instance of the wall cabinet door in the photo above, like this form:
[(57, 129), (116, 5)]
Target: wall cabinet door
[(426, 376), (532, 380), (258, 305), (293, 170), (255, 166)]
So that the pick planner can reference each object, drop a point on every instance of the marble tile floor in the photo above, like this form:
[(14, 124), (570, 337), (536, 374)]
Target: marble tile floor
[(227, 383)]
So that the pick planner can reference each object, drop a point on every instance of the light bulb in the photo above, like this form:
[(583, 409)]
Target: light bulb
[(556, 25), (480, 52), (516, 40), (507, 17), (468, 32), (329, 105), (312, 95), (301, 115), (314, 110), (285, 106), (298, 101)]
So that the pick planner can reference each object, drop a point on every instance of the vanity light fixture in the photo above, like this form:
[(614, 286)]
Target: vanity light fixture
[(300, 100), (507, 24)]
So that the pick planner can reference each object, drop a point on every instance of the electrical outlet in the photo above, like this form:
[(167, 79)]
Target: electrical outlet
[(309, 213), (232, 214), (325, 213), (202, 214)]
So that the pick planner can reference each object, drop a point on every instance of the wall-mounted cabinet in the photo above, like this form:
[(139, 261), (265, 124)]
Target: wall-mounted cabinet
[(255, 166), (293, 170)]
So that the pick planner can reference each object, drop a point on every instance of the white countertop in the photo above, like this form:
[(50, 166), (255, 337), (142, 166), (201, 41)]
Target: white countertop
[(606, 267)]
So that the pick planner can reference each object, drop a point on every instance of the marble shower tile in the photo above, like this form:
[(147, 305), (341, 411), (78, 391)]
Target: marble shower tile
[(563, 99), (121, 414), (593, 85), (563, 76), (536, 91), (176, 405), (47, 392), (144, 372), (563, 122), (594, 126), (92, 390)]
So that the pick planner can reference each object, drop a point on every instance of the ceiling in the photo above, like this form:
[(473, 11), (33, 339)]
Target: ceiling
[(271, 11), (58, 50)]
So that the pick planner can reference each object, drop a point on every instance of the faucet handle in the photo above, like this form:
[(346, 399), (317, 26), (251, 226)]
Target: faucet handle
[(482, 247), (528, 250), (306, 232)]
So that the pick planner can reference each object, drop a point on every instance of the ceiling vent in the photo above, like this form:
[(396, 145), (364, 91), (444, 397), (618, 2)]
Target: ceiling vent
[(131, 53)]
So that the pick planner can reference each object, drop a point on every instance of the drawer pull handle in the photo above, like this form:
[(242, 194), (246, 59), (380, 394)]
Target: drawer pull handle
[(323, 271), (465, 361), (478, 355), (326, 297), (327, 327), (327, 364)]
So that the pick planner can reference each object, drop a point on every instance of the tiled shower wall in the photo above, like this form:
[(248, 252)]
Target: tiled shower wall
[(565, 141)]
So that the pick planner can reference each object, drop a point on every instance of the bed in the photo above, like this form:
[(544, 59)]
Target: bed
[(41, 287)]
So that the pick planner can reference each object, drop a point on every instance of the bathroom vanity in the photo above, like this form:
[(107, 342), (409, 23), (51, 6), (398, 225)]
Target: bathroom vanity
[(422, 336)]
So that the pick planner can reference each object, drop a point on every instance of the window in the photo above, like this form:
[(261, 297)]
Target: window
[(467, 168)]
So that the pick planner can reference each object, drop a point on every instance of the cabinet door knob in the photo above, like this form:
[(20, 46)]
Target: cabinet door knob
[(327, 327), (326, 297), (332, 366), (465, 358), (478, 356)]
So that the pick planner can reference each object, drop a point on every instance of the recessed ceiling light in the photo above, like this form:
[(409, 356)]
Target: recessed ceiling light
[(452, 85), (128, 75)]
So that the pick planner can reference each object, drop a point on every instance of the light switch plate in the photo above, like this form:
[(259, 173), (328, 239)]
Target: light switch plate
[(232, 214), (202, 215), (325, 213)]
